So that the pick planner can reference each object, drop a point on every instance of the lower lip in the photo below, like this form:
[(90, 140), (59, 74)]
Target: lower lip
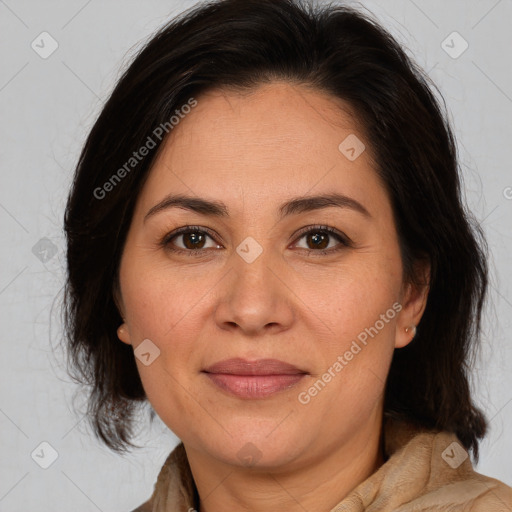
[(254, 386)]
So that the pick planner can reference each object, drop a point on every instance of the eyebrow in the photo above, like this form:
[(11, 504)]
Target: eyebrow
[(294, 206)]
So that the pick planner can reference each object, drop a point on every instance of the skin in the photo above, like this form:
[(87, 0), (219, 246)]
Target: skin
[(291, 303)]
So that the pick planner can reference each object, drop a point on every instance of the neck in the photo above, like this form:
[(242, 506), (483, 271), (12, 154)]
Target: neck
[(318, 485)]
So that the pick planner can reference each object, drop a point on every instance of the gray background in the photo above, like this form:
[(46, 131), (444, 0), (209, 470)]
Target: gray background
[(49, 104)]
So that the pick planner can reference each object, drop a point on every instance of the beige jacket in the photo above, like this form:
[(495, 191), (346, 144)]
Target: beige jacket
[(424, 471)]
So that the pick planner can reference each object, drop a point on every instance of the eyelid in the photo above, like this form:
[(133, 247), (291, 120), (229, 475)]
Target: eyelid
[(343, 239), (322, 227), (188, 229)]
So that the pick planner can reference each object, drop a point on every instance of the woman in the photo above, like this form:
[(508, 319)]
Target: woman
[(266, 241)]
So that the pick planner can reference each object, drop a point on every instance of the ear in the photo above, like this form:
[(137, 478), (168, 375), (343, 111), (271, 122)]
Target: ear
[(122, 331), (414, 297), (123, 334)]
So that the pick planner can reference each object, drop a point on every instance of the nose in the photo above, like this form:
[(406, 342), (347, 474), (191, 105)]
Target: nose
[(256, 297)]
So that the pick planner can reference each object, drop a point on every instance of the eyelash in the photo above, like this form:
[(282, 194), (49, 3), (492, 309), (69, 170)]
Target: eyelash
[(343, 239)]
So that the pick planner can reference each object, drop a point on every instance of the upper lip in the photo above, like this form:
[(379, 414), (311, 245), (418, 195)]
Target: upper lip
[(239, 366)]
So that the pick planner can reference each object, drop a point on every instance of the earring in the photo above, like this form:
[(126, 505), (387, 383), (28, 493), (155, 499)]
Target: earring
[(412, 328)]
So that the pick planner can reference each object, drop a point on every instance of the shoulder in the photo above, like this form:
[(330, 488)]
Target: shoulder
[(478, 493), (173, 480), (495, 495), (432, 471)]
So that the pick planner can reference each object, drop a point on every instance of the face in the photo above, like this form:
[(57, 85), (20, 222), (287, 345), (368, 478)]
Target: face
[(270, 271)]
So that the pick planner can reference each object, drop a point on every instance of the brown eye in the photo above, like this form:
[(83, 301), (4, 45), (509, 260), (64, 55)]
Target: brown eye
[(193, 240), (190, 240), (320, 239)]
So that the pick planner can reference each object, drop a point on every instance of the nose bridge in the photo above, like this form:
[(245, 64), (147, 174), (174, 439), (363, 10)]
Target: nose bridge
[(253, 264), (254, 297)]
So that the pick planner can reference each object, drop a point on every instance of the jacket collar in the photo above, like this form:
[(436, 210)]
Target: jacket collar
[(425, 469)]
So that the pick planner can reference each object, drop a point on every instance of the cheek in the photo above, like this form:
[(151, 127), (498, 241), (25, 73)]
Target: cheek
[(358, 304), (159, 310), (157, 298), (352, 297), (165, 308)]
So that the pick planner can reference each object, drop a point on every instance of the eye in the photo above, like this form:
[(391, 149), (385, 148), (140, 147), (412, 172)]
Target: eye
[(318, 239), (192, 238)]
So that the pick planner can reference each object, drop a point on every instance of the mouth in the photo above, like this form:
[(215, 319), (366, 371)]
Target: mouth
[(253, 379)]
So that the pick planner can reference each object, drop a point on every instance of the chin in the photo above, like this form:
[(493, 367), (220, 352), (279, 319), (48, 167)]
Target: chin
[(257, 449)]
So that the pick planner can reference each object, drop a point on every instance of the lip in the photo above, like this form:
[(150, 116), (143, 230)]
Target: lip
[(239, 366), (254, 379)]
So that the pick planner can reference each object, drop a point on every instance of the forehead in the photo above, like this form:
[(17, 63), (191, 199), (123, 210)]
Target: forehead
[(277, 137), (280, 116)]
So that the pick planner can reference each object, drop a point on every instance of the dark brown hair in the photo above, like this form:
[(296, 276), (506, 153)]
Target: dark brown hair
[(332, 48)]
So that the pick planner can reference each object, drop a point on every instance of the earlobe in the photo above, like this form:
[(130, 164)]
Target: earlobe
[(123, 334), (405, 335), (122, 331), (415, 302)]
